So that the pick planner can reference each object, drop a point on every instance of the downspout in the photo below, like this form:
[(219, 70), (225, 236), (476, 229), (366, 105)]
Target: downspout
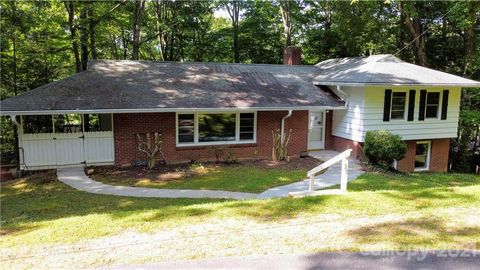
[(13, 118), (347, 96), (282, 130)]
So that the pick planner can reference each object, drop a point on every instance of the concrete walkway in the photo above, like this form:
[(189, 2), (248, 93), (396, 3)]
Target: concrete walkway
[(329, 178), (76, 178)]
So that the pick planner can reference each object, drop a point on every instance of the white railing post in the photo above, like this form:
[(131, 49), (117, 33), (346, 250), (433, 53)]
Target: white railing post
[(312, 183), (344, 170), (344, 175)]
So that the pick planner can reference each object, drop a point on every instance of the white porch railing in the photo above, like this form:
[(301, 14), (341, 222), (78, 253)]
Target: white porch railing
[(344, 170)]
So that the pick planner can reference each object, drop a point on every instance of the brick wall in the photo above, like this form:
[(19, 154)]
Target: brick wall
[(407, 164), (127, 125), (438, 156)]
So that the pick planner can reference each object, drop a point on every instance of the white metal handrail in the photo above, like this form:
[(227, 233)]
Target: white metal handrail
[(344, 174)]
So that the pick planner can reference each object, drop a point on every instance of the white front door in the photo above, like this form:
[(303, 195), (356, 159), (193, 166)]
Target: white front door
[(316, 130)]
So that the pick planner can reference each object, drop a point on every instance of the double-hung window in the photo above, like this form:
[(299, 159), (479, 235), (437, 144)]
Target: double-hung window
[(399, 100), (215, 128), (432, 105)]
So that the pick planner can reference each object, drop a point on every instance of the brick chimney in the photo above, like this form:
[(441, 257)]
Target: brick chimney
[(292, 55)]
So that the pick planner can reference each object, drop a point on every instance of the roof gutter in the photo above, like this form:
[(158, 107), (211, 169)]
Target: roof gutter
[(282, 136), (171, 110), (333, 83)]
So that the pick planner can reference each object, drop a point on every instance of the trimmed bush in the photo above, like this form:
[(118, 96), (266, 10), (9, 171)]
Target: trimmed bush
[(382, 148)]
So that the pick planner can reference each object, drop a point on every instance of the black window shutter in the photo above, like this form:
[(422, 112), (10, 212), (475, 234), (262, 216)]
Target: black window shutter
[(444, 104), (386, 105), (421, 110), (411, 105)]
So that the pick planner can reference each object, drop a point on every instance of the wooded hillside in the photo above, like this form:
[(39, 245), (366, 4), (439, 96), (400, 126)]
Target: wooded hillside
[(43, 41)]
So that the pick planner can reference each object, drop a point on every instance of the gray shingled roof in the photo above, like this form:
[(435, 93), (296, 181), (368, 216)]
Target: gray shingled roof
[(142, 85), (383, 70)]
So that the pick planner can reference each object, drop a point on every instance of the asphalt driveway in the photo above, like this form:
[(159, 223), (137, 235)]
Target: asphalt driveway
[(415, 259)]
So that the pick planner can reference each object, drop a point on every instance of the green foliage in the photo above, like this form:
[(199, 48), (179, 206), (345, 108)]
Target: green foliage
[(382, 148), (6, 135), (465, 150)]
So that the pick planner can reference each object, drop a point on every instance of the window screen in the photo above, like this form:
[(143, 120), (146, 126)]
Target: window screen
[(431, 108), (186, 128), (398, 105), (247, 125)]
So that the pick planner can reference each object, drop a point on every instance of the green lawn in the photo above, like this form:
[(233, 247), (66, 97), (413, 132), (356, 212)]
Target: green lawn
[(380, 212), (231, 177)]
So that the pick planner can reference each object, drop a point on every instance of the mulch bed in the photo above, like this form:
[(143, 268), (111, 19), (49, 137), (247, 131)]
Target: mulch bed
[(179, 171)]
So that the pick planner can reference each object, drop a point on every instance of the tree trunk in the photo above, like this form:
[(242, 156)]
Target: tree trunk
[(137, 20), (234, 12), (91, 28), (160, 35), (84, 38), (70, 7), (415, 27), (114, 50), (470, 39), (15, 91), (287, 23), (124, 44)]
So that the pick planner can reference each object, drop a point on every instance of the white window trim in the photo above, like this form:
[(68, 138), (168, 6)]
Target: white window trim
[(405, 106), (237, 130), (439, 110), (427, 161)]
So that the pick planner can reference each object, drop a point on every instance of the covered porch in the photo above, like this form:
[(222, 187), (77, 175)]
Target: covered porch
[(57, 140)]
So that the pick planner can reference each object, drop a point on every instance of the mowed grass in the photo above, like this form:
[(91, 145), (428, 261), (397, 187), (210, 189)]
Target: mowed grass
[(231, 178), (380, 211)]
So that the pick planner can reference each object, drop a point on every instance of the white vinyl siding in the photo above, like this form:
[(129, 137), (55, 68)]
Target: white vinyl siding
[(348, 123), (365, 113)]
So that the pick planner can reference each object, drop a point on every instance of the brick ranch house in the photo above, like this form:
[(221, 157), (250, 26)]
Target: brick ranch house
[(93, 117)]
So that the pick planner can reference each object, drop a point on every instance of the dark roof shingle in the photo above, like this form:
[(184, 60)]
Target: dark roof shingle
[(140, 85)]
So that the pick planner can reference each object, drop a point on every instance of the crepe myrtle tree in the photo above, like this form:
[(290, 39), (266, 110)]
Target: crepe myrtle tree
[(151, 145), (382, 148)]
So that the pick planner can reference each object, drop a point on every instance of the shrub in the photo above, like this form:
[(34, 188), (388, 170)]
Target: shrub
[(382, 148)]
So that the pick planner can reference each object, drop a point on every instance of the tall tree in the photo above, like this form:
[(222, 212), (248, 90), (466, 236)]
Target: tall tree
[(137, 21), (233, 9), (70, 7), (416, 29), (287, 21), (84, 38)]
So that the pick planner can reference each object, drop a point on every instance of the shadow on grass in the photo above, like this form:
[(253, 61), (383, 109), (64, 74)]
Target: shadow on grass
[(416, 233), (26, 201)]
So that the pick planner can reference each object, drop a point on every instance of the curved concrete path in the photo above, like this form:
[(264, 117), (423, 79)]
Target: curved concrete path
[(329, 178), (76, 178)]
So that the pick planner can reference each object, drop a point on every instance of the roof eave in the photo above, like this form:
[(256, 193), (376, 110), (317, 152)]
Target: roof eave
[(153, 110), (463, 85)]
